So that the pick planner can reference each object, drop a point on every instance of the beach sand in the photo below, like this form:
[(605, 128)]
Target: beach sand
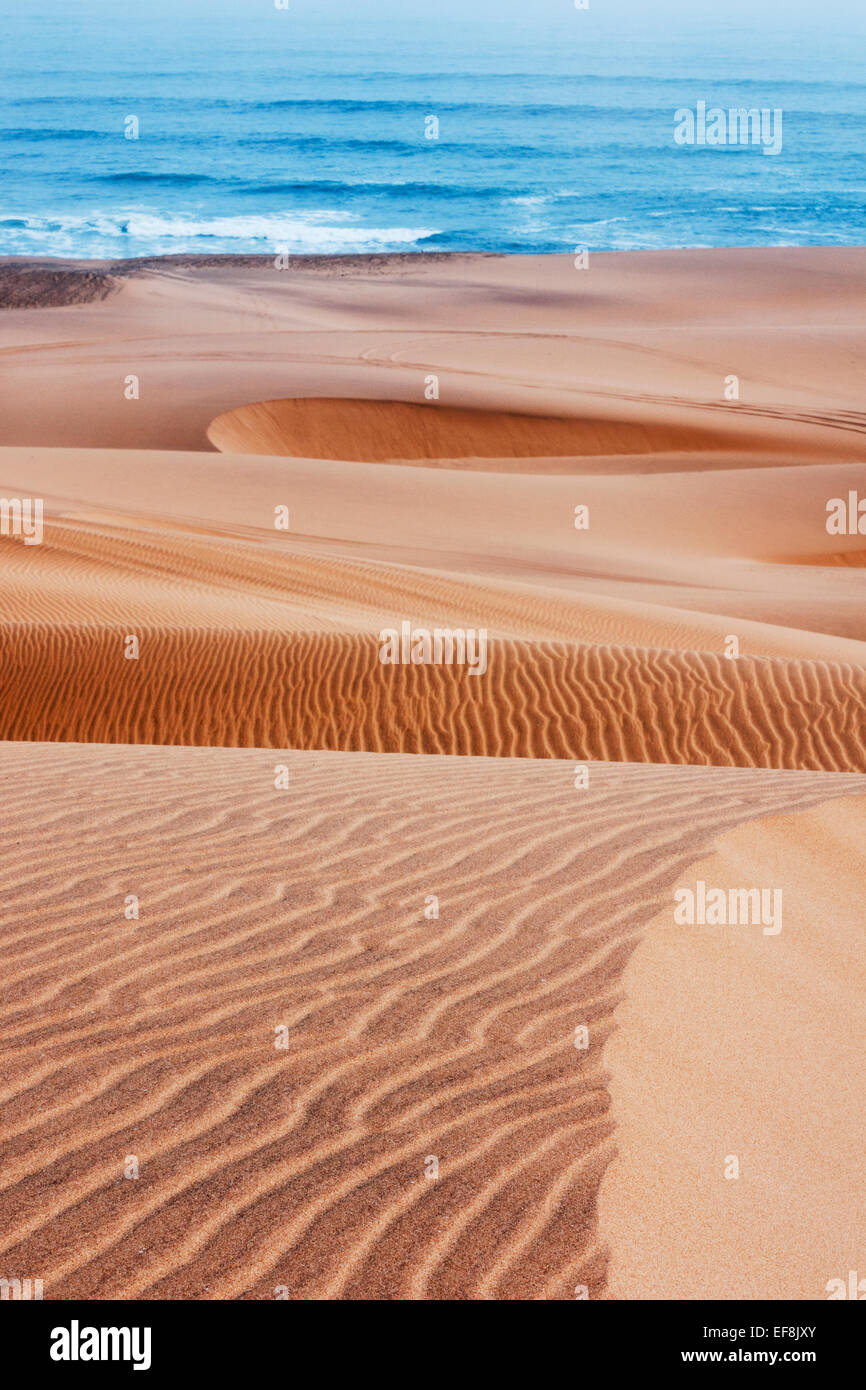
[(431, 425)]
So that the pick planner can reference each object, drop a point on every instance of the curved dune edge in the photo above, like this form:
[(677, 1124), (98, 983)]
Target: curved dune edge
[(408, 1037), (383, 431), (330, 691), (730, 1042), (854, 559)]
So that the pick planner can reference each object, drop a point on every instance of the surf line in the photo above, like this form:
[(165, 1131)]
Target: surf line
[(421, 646)]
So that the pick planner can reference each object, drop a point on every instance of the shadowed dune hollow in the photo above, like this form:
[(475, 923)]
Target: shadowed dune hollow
[(381, 431)]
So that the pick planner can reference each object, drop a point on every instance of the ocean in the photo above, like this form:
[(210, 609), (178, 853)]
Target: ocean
[(306, 131)]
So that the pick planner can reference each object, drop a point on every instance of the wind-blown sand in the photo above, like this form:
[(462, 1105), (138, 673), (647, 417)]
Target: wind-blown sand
[(412, 1037)]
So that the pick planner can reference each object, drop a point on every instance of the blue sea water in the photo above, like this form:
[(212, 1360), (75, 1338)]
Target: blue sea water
[(264, 129)]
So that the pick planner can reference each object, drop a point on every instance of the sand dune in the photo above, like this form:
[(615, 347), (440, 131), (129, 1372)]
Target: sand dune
[(542, 700), (167, 413), (408, 1038)]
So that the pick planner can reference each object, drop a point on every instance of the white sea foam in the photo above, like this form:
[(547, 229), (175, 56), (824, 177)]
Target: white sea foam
[(136, 232)]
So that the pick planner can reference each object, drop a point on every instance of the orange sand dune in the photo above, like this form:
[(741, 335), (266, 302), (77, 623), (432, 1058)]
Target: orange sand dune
[(409, 1038), (669, 562), (321, 690)]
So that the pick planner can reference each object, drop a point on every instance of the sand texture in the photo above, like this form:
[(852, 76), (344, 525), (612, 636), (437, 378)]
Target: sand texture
[(377, 903)]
